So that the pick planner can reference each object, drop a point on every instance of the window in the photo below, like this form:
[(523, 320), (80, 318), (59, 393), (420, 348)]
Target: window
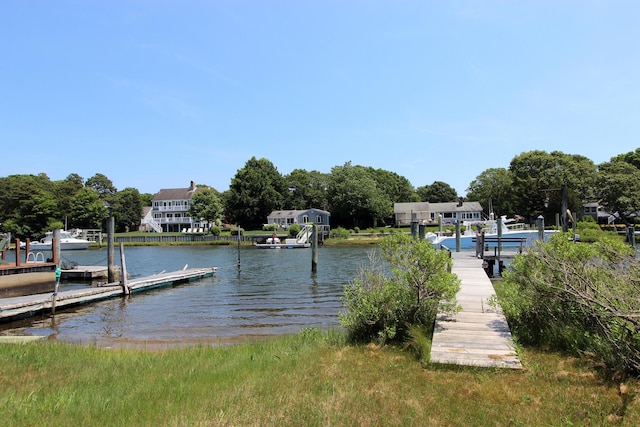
[(319, 219), (305, 219)]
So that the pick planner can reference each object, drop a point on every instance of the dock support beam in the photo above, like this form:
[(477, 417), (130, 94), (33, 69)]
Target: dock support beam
[(314, 249), (111, 266)]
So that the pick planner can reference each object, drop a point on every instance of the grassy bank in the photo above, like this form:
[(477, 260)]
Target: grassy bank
[(307, 379)]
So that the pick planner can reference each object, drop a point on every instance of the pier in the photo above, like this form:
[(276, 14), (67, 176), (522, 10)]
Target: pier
[(30, 305), (478, 335)]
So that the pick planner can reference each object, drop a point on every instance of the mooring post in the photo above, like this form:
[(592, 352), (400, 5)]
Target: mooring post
[(123, 271), (458, 242), (314, 249), (238, 225), (540, 220), (110, 249)]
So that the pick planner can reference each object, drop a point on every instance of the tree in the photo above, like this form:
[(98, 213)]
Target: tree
[(492, 188), (618, 188), (538, 176), (206, 205), (354, 197), (306, 190), (632, 157), (102, 185), (396, 188), (256, 190), (438, 192), (127, 209), (25, 209), (87, 209)]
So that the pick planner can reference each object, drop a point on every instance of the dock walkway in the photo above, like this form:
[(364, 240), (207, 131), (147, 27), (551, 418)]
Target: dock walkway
[(30, 305), (477, 335)]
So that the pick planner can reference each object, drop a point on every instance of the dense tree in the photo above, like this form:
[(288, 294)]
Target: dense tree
[(438, 192), (537, 179), (25, 211), (87, 209), (256, 190), (492, 188), (206, 204), (127, 209), (632, 157), (619, 188), (306, 190), (355, 198), (396, 188), (102, 185), (64, 190)]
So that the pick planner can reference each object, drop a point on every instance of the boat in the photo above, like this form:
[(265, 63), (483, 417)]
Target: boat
[(300, 241), (513, 233), (67, 242)]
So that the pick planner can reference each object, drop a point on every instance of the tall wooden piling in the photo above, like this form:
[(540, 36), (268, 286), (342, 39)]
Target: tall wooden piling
[(314, 249), (123, 271), (111, 266)]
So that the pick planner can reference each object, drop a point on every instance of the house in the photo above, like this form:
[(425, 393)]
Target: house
[(597, 212), (169, 211), (285, 218), (430, 213)]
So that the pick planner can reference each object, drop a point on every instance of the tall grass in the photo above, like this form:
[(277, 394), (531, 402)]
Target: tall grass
[(309, 379)]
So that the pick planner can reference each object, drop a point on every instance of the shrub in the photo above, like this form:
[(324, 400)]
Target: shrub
[(270, 227), (215, 230), (294, 229), (383, 305), (339, 233), (577, 297)]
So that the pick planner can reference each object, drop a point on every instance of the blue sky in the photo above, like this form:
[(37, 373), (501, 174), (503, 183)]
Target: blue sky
[(154, 94)]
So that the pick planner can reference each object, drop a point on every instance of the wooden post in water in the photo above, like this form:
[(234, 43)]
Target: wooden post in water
[(458, 243), (123, 271), (110, 249), (238, 248), (55, 251), (314, 249)]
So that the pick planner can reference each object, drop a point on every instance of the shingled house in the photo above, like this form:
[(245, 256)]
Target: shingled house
[(169, 211)]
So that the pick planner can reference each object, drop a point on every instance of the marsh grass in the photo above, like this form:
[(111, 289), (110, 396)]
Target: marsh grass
[(309, 379)]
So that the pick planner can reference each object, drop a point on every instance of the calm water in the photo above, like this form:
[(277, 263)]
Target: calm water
[(274, 293)]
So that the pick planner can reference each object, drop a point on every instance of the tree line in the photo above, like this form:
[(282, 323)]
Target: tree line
[(356, 196)]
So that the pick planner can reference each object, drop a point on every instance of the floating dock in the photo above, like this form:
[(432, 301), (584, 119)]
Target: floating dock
[(20, 307), (478, 335)]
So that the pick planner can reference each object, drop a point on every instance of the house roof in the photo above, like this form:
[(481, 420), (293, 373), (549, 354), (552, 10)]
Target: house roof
[(294, 213), (437, 207), (176, 193)]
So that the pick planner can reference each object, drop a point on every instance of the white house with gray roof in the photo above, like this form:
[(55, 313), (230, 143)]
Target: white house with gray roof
[(429, 213), (285, 218), (169, 210)]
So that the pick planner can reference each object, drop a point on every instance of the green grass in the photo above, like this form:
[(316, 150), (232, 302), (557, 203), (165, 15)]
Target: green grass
[(309, 379)]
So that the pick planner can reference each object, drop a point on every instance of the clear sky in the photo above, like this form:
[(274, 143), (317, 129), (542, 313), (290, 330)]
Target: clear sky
[(154, 94)]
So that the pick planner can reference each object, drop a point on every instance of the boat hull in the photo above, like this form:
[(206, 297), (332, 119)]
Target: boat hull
[(64, 246), (282, 245), (511, 239)]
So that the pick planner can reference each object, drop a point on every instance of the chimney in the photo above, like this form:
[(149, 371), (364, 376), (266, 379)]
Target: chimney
[(460, 201), (192, 187)]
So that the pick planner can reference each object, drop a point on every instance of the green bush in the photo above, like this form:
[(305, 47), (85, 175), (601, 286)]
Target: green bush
[(215, 230), (294, 229), (339, 233), (577, 297), (270, 227), (383, 304)]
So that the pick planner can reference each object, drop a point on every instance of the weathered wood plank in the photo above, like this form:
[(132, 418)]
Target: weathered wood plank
[(477, 335)]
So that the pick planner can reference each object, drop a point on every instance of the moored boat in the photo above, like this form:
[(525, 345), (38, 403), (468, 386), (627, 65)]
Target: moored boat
[(67, 242)]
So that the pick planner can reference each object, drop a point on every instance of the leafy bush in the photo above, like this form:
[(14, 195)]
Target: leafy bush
[(383, 305), (215, 230), (577, 297), (339, 233), (294, 229), (270, 227)]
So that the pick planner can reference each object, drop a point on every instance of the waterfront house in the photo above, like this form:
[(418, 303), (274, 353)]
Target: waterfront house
[(285, 218), (169, 211), (430, 213)]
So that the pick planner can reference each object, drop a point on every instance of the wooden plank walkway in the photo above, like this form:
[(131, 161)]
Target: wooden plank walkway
[(30, 305), (477, 335)]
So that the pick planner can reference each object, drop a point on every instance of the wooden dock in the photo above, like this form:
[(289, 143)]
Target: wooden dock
[(30, 305), (477, 335)]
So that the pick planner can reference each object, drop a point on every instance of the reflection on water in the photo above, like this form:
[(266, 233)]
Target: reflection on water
[(274, 292)]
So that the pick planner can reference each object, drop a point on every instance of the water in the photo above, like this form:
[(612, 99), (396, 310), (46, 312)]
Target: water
[(274, 293)]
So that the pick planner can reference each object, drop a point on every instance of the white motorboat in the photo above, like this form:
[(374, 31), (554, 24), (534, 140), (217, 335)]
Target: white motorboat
[(514, 234), (67, 242)]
